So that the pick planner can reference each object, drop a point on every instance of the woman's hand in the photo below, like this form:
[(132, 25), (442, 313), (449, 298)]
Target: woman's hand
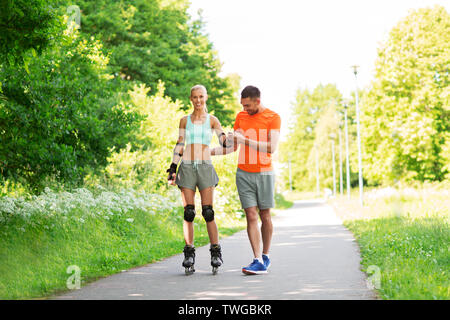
[(171, 179), (172, 174)]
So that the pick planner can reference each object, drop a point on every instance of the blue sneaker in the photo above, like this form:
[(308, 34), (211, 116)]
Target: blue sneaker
[(266, 261), (255, 267)]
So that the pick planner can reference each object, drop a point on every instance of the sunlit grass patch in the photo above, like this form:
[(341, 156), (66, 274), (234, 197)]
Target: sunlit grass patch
[(405, 233), (281, 202), (412, 255)]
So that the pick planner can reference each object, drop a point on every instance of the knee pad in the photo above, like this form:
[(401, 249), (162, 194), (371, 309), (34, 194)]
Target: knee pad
[(208, 213), (189, 213)]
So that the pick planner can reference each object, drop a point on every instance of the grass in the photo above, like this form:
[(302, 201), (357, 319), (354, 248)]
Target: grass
[(101, 234), (412, 255), (36, 250), (405, 234), (281, 203)]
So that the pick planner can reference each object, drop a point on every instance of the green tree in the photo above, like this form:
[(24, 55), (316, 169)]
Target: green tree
[(63, 116), (26, 25), (312, 112), (153, 40), (142, 164), (406, 114), (232, 99)]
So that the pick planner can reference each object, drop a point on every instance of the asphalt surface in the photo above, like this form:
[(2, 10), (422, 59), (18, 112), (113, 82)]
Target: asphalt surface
[(313, 257)]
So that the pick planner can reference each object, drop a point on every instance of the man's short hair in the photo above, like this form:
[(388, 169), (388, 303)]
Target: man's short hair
[(250, 92)]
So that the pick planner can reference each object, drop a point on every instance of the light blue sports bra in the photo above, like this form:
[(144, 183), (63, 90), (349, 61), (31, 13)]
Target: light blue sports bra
[(198, 133)]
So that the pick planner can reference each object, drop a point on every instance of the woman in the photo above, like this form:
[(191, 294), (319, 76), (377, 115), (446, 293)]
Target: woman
[(197, 171)]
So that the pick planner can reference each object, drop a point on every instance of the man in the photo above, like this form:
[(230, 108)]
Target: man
[(257, 131)]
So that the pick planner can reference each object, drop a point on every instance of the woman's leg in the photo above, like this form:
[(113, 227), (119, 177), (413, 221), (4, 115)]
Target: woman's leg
[(207, 196), (188, 197)]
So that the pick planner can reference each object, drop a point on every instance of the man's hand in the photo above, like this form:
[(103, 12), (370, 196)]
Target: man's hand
[(230, 139), (240, 139)]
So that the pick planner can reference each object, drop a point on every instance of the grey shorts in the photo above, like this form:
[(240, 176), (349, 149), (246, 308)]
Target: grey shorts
[(200, 173), (256, 189)]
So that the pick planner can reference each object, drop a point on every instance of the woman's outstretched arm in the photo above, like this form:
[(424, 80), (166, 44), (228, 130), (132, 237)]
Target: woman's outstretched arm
[(226, 145), (177, 151)]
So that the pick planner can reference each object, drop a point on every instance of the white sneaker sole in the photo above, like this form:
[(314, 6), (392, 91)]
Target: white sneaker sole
[(249, 272)]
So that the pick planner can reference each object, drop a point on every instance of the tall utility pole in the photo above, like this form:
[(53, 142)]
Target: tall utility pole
[(290, 173), (341, 180), (360, 177), (332, 137), (317, 172), (346, 150)]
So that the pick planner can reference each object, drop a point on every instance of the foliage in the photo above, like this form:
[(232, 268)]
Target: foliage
[(89, 107), (26, 25), (281, 202), (226, 200), (314, 119), (101, 232), (151, 41), (142, 164), (404, 232), (62, 116), (103, 204), (406, 115), (412, 256)]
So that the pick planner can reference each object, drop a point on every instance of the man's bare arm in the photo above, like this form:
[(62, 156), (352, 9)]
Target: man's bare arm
[(227, 144), (261, 146), (219, 151)]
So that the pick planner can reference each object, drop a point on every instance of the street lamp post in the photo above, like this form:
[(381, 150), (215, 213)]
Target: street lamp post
[(290, 173), (332, 137), (317, 172), (346, 150), (341, 180), (360, 177)]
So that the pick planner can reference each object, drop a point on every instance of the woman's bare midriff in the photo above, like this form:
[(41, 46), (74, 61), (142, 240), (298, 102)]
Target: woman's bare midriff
[(196, 152)]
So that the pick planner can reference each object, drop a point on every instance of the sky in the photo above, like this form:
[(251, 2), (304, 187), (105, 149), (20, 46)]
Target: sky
[(280, 46)]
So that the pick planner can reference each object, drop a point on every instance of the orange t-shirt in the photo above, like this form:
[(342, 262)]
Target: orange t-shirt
[(256, 127)]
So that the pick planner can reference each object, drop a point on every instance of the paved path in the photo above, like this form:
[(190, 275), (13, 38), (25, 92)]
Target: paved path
[(313, 257)]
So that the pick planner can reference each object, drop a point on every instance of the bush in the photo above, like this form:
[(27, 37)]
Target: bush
[(61, 117)]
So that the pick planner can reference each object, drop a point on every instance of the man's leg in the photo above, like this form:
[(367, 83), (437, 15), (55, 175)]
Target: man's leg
[(265, 194), (266, 229), (253, 231)]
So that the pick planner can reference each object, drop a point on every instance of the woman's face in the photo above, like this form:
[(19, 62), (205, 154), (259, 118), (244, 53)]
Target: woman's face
[(198, 98)]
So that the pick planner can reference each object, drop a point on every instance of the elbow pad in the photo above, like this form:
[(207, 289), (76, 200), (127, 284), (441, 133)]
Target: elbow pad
[(224, 143)]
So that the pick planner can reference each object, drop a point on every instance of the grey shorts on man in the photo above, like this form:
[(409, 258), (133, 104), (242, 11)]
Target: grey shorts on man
[(256, 189)]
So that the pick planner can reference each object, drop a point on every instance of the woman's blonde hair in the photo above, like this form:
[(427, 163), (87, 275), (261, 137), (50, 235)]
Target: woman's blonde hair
[(202, 87), (199, 86)]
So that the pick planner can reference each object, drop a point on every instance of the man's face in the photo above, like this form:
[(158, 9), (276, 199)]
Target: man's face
[(251, 105)]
